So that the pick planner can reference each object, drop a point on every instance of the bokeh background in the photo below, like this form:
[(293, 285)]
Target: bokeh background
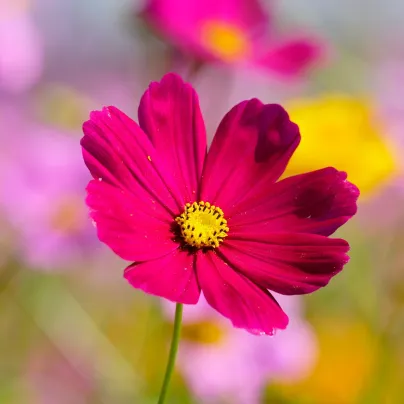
[(72, 331)]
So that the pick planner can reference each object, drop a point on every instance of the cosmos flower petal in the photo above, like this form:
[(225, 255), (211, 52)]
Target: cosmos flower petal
[(317, 202), (116, 150), (172, 277), (134, 229), (251, 148), (238, 298), (293, 57), (169, 114), (287, 263)]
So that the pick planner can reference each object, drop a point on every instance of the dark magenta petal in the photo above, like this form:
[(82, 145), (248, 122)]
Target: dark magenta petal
[(238, 298), (169, 114), (316, 202), (119, 153), (251, 149), (172, 277), (287, 263), (135, 229)]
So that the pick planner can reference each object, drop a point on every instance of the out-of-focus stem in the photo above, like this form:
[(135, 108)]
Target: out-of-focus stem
[(173, 353)]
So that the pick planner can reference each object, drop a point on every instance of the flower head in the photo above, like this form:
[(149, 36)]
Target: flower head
[(231, 32), (218, 221)]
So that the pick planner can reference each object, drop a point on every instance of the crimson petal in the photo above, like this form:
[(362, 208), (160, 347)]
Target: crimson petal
[(287, 263), (238, 298), (172, 277), (118, 152), (169, 114), (134, 229), (317, 202), (251, 148)]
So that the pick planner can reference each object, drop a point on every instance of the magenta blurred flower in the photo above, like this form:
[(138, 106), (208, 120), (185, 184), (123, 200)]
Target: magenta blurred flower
[(21, 51), (219, 221), (230, 31), (42, 198), (221, 363)]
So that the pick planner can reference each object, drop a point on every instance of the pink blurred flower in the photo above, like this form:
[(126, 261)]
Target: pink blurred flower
[(21, 51), (385, 209), (232, 32), (41, 195), (51, 379), (220, 362), (389, 88), (157, 199)]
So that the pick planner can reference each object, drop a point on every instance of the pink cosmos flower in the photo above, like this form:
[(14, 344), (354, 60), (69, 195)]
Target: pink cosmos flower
[(40, 196), (21, 52), (229, 31), (389, 85), (223, 363), (218, 222), (50, 378)]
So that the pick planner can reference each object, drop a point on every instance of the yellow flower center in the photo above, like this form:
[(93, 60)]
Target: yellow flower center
[(61, 106), (224, 40), (202, 225)]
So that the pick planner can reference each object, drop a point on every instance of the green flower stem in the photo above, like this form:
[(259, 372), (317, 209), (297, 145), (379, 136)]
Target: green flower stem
[(173, 353)]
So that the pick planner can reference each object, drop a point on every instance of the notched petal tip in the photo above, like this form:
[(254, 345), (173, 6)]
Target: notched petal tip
[(280, 326), (277, 131), (169, 80), (353, 189), (324, 195), (350, 191), (173, 77), (106, 113), (98, 116)]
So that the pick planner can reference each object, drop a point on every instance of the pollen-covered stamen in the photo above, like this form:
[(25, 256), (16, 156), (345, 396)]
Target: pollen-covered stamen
[(202, 225)]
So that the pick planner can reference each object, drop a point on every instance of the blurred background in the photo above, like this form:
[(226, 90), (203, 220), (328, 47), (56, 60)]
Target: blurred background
[(72, 331)]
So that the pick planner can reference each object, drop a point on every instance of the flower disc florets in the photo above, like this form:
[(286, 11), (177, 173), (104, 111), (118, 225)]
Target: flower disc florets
[(202, 225)]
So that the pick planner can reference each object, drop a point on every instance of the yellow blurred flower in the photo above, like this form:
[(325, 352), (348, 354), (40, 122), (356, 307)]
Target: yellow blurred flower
[(62, 106), (203, 332), (347, 358), (341, 131)]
